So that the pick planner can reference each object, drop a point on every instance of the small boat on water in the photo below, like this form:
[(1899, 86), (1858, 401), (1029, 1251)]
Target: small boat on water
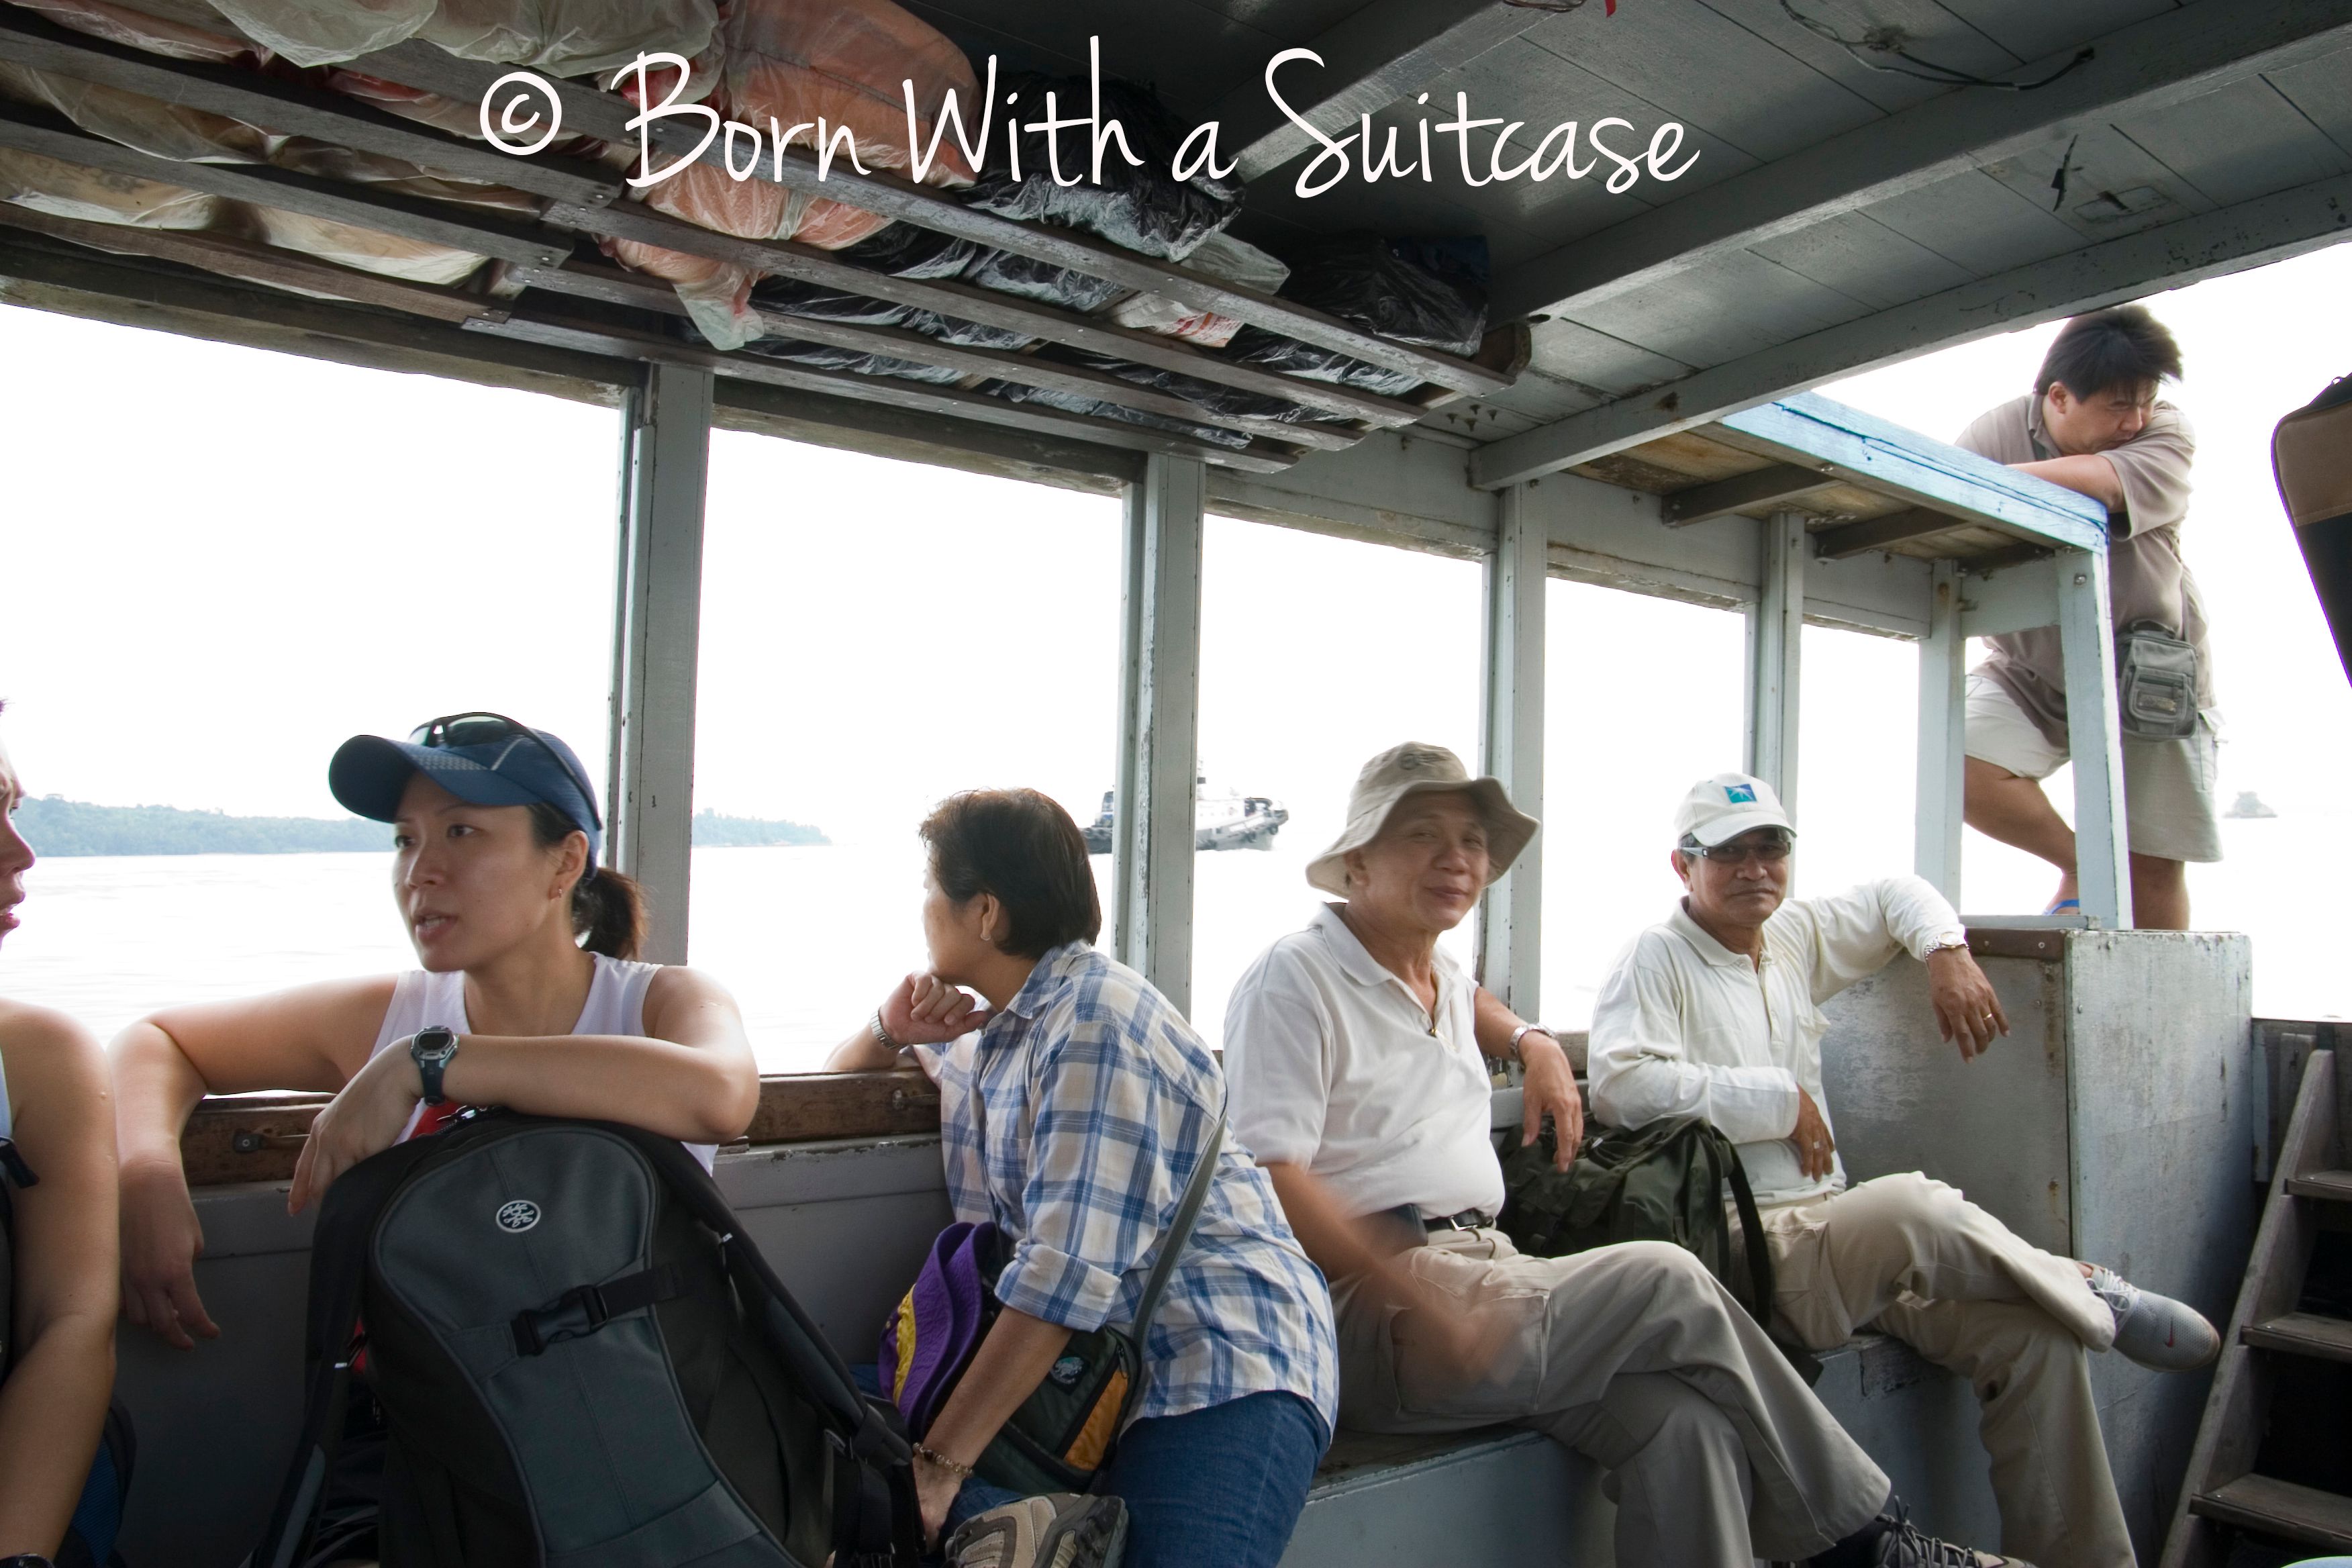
[(1223, 819), (2247, 804)]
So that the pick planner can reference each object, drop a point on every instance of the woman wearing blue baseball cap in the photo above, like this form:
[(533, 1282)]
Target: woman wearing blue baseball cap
[(529, 996)]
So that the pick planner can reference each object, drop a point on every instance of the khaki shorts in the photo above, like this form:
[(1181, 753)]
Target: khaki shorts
[(2167, 784)]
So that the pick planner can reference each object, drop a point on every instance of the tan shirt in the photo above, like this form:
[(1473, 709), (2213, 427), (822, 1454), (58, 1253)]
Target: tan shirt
[(2146, 578)]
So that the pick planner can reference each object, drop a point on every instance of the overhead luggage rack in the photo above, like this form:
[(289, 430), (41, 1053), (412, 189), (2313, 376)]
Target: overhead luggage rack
[(549, 290)]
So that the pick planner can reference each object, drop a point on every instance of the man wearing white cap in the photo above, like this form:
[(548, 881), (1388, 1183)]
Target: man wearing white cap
[(1716, 1012), (1356, 1056)]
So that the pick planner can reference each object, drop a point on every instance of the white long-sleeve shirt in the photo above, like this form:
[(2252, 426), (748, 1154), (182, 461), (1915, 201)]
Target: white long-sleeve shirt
[(1685, 1026)]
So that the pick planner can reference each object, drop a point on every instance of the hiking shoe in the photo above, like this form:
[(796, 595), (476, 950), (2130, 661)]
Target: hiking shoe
[(1062, 1530), (1892, 1541), (2155, 1330)]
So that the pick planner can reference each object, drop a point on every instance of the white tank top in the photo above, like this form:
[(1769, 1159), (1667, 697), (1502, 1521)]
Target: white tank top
[(616, 1006)]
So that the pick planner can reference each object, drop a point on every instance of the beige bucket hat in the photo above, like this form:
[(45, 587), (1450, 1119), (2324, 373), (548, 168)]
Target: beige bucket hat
[(1418, 768)]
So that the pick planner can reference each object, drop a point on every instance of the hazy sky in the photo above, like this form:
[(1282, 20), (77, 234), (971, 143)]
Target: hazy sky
[(223, 562)]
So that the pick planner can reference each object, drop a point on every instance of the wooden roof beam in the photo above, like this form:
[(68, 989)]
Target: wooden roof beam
[(1703, 503), (1879, 532), (2174, 55), (2170, 256)]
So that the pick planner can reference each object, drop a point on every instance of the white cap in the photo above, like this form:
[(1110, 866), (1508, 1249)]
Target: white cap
[(1728, 805)]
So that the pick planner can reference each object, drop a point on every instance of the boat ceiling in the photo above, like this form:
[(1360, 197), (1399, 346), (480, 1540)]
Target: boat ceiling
[(1841, 214)]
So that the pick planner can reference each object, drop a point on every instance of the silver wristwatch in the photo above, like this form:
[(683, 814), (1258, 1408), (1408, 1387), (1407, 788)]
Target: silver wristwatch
[(1523, 1030)]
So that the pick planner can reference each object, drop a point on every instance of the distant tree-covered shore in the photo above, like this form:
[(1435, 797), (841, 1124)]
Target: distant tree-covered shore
[(59, 827)]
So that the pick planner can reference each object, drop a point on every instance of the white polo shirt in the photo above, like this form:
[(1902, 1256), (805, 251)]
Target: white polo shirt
[(1685, 1026), (1332, 1063)]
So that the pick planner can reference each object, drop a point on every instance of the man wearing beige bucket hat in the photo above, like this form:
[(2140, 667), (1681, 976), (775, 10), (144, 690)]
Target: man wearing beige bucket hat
[(1356, 1056)]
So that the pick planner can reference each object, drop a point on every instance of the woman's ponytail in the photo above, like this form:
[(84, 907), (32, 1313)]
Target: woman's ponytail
[(608, 912), (608, 909)]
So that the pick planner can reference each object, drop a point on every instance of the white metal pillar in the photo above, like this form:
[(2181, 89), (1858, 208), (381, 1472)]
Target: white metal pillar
[(1776, 639), (1510, 926), (1159, 730), (2094, 739), (1943, 756), (649, 812)]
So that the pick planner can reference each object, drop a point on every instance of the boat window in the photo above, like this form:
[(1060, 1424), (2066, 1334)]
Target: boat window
[(1857, 760), (875, 636), (222, 563), (1316, 653), (1642, 697)]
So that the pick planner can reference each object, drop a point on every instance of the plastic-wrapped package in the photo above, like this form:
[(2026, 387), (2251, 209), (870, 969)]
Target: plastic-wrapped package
[(901, 250), (180, 29), (826, 356), (1427, 292), (1041, 280), (1214, 397), (794, 61), (364, 248), (152, 126), (1145, 209), (966, 334), (1076, 402), (563, 37), (1221, 257)]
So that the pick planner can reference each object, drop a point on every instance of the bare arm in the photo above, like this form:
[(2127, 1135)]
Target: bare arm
[(1006, 1369), (1547, 1084), (54, 1402), (690, 1077), (314, 1038), (2087, 473), (922, 1010)]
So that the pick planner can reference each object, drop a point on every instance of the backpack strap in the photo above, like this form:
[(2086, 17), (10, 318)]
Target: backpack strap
[(1751, 1231), (339, 1248), (1172, 1248)]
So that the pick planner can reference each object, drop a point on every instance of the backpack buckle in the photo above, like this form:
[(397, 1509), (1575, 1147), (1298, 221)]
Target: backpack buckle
[(578, 1312)]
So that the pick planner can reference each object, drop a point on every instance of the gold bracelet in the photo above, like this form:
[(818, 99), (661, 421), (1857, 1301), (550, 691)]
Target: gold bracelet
[(932, 1456)]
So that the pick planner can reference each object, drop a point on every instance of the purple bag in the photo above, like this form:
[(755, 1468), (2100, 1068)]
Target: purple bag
[(932, 1337)]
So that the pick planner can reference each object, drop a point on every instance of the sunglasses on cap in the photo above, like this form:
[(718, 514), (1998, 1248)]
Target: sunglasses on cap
[(453, 730), (1771, 851)]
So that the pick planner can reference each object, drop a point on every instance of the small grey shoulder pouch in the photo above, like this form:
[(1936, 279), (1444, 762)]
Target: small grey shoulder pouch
[(2156, 683)]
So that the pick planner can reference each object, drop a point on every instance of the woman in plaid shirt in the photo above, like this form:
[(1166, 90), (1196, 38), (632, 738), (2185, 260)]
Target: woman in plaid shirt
[(1075, 1102)]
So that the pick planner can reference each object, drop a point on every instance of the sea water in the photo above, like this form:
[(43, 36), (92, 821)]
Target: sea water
[(809, 939)]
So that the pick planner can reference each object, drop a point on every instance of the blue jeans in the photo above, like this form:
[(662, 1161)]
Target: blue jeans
[(1220, 1486)]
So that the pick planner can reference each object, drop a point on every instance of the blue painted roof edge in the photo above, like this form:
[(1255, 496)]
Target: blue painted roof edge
[(1869, 447)]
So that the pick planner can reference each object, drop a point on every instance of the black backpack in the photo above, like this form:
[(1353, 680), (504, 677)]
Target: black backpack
[(581, 1363)]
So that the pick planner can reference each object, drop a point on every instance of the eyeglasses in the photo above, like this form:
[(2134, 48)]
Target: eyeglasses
[(1771, 851), (454, 729)]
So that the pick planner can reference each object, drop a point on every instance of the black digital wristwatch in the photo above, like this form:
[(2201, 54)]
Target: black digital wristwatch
[(430, 1049)]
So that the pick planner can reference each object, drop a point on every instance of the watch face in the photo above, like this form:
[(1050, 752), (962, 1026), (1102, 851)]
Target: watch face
[(437, 1041)]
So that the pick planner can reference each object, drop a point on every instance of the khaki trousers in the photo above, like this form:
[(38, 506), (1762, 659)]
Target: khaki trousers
[(1718, 1453), (1911, 1257)]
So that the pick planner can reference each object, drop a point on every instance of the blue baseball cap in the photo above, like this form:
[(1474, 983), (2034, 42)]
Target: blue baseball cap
[(486, 759)]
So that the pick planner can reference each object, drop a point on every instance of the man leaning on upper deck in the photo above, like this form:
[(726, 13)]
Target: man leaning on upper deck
[(1717, 1013), (2093, 424), (1355, 1053)]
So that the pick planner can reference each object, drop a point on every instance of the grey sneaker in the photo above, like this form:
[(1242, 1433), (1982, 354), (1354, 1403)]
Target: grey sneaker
[(1900, 1545), (1061, 1529), (2155, 1330)]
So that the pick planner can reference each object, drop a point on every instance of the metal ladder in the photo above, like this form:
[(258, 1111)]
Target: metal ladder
[(2277, 1426)]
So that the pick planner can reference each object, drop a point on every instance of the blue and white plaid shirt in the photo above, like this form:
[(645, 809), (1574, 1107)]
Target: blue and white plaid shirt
[(1094, 1099)]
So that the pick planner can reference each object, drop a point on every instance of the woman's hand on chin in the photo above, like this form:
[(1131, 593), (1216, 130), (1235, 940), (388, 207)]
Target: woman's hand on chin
[(925, 1010), (363, 1118)]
